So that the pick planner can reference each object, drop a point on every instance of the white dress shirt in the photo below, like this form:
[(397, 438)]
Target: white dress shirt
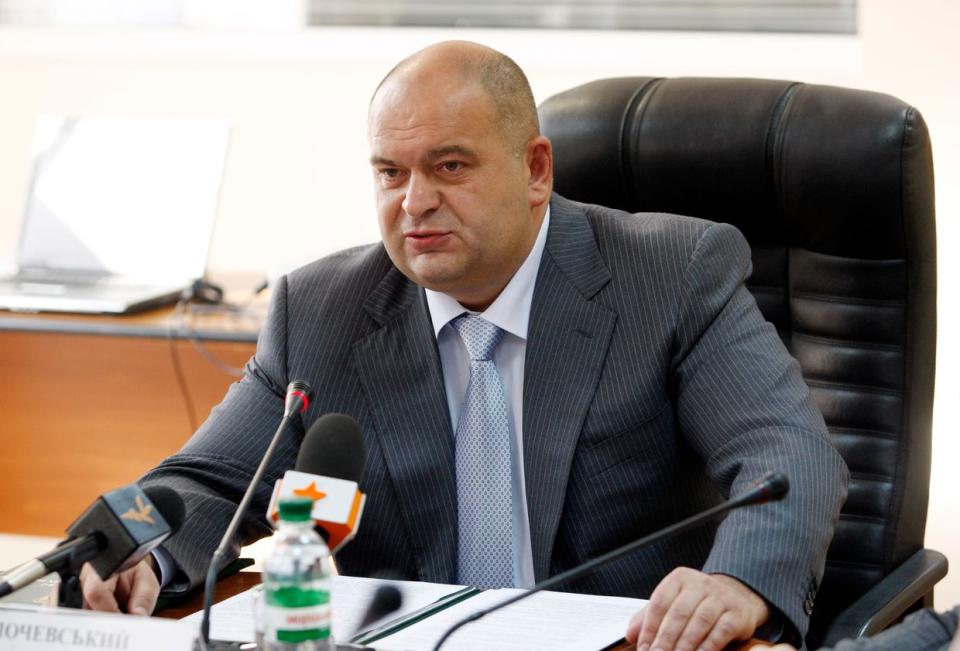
[(511, 313)]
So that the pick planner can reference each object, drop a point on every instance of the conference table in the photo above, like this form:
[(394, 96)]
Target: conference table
[(245, 580)]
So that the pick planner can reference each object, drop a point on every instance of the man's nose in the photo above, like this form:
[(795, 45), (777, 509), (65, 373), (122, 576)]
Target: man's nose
[(422, 196)]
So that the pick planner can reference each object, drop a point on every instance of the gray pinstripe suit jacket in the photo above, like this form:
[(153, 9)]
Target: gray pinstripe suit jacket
[(652, 387)]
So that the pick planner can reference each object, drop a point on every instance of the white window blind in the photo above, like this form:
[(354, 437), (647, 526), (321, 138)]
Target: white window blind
[(823, 16), (829, 16)]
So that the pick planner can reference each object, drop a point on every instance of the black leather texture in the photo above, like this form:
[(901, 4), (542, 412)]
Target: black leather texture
[(834, 190)]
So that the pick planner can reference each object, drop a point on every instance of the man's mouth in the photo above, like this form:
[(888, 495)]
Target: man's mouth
[(426, 239)]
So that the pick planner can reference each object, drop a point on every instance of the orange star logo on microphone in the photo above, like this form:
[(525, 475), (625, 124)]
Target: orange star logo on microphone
[(141, 513), (310, 491)]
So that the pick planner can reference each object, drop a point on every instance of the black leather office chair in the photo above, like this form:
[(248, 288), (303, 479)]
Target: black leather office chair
[(833, 188)]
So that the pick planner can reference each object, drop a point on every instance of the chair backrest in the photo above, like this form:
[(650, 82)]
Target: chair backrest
[(833, 188)]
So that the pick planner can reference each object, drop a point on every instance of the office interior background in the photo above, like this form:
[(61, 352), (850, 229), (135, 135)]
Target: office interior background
[(296, 96)]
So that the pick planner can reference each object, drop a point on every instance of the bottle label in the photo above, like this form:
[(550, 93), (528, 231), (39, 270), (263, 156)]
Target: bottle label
[(293, 614)]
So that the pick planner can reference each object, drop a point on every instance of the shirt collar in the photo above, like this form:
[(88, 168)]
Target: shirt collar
[(510, 311)]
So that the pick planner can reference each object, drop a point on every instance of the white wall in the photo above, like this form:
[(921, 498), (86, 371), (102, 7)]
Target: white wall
[(298, 105), (298, 101)]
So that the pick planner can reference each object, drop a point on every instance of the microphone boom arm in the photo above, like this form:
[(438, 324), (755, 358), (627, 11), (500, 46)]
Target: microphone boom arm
[(297, 399), (771, 488)]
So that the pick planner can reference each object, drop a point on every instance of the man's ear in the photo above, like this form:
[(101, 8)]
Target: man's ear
[(539, 160)]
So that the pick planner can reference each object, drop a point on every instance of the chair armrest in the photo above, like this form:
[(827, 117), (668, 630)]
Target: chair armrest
[(885, 602)]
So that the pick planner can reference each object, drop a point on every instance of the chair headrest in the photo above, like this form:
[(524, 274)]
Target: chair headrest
[(834, 170)]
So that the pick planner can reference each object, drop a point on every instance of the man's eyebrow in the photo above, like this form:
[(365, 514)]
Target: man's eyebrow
[(430, 156), (440, 152), (380, 160)]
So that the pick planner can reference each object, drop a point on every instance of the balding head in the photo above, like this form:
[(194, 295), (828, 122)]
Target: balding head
[(462, 64)]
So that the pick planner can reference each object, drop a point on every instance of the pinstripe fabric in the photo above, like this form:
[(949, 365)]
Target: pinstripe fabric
[(652, 387), (925, 630)]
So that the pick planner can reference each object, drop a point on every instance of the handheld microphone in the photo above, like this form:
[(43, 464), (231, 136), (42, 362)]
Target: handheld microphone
[(297, 399), (329, 467), (771, 488), (113, 534)]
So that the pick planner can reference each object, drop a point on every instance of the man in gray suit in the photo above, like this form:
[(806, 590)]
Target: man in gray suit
[(627, 369)]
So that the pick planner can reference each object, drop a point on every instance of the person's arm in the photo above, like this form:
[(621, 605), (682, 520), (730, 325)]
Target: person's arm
[(925, 630), (133, 591), (212, 470), (743, 406)]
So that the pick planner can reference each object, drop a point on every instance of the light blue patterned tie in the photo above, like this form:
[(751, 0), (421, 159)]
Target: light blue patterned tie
[(484, 488)]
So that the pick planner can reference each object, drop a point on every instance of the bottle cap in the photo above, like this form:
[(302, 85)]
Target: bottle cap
[(296, 509)]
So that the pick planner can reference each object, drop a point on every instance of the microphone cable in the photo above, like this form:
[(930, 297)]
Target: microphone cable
[(180, 328)]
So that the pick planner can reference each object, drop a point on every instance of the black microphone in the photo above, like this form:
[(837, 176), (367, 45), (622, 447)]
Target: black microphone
[(332, 453), (297, 400), (773, 487), (113, 534), (386, 599), (333, 447)]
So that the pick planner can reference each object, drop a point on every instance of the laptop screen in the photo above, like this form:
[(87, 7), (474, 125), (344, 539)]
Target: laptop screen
[(123, 195)]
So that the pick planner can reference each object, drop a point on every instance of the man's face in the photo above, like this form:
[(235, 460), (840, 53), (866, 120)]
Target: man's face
[(453, 196)]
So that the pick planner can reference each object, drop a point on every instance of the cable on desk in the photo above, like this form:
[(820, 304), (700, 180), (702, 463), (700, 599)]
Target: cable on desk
[(180, 329), (175, 322), (237, 311)]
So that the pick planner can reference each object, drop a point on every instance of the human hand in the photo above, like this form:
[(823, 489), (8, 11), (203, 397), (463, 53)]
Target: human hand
[(134, 591), (693, 610)]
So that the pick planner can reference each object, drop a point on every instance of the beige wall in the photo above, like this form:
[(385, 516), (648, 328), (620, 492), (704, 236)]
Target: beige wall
[(298, 102)]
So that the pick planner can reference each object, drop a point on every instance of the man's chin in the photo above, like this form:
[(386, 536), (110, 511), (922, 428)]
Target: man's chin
[(435, 275)]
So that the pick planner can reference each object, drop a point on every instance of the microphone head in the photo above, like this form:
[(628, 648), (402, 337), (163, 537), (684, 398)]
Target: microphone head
[(170, 505), (129, 522), (386, 599), (298, 397), (333, 447), (774, 486)]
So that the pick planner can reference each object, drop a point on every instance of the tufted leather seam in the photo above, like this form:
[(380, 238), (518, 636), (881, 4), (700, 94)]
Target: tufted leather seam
[(871, 476), (855, 564), (775, 137), (852, 342), (767, 289), (862, 431), (827, 384), (903, 451), (630, 133), (830, 298), (867, 519), (847, 343)]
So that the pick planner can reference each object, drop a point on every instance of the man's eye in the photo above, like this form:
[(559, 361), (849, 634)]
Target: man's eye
[(390, 172), (451, 166)]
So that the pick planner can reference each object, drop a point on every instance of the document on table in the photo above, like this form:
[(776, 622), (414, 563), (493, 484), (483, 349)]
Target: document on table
[(547, 620), (560, 620), (233, 620)]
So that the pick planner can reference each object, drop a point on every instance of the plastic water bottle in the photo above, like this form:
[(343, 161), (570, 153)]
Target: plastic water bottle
[(296, 584)]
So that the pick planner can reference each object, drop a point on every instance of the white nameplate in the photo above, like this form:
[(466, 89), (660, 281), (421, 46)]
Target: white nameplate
[(40, 629)]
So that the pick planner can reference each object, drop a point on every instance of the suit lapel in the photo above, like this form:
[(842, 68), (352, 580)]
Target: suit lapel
[(399, 369), (568, 339)]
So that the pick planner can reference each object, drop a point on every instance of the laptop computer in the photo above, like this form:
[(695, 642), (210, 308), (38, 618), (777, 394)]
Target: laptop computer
[(119, 214)]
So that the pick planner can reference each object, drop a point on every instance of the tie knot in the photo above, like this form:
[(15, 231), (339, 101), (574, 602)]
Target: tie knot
[(479, 335)]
